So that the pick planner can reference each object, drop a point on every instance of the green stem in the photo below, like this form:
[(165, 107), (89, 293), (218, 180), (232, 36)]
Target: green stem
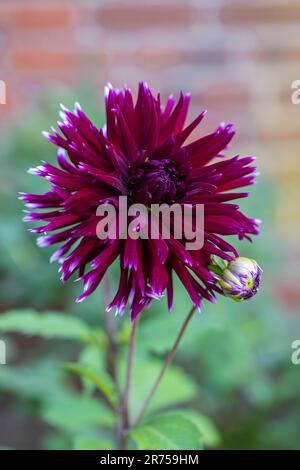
[(124, 408), (167, 362)]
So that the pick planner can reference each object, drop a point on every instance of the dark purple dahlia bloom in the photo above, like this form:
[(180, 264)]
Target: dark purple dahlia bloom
[(140, 153)]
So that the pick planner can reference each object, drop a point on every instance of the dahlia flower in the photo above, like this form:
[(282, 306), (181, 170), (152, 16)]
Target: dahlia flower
[(240, 280), (140, 153)]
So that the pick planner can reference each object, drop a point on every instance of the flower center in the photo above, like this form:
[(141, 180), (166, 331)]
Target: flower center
[(156, 181)]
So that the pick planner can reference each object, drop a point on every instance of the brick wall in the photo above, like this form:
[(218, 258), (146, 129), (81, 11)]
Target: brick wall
[(237, 58)]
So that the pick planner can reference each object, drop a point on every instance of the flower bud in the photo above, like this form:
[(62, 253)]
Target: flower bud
[(241, 278)]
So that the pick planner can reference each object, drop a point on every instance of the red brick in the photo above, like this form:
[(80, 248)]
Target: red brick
[(37, 14), (28, 40), (158, 57), (225, 92), (258, 12), (42, 60), (142, 15), (47, 60), (278, 54)]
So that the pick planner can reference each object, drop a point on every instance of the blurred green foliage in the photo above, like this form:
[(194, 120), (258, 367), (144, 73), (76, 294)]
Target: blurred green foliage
[(233, 369)]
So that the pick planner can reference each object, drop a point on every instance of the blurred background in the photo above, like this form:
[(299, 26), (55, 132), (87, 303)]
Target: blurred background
[(238, 59)]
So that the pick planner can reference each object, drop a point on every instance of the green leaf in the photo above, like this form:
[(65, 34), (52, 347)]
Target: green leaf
[(176, 386), (171, 431), (39, 380), (206, 427), (89, 443), (74, 412), (98, 377), (57, 405), (91, 356), (46, 324)]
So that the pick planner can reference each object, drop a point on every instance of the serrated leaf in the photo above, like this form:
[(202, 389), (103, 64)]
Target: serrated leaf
[(47, 324), (98, 377), (171, 431)]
